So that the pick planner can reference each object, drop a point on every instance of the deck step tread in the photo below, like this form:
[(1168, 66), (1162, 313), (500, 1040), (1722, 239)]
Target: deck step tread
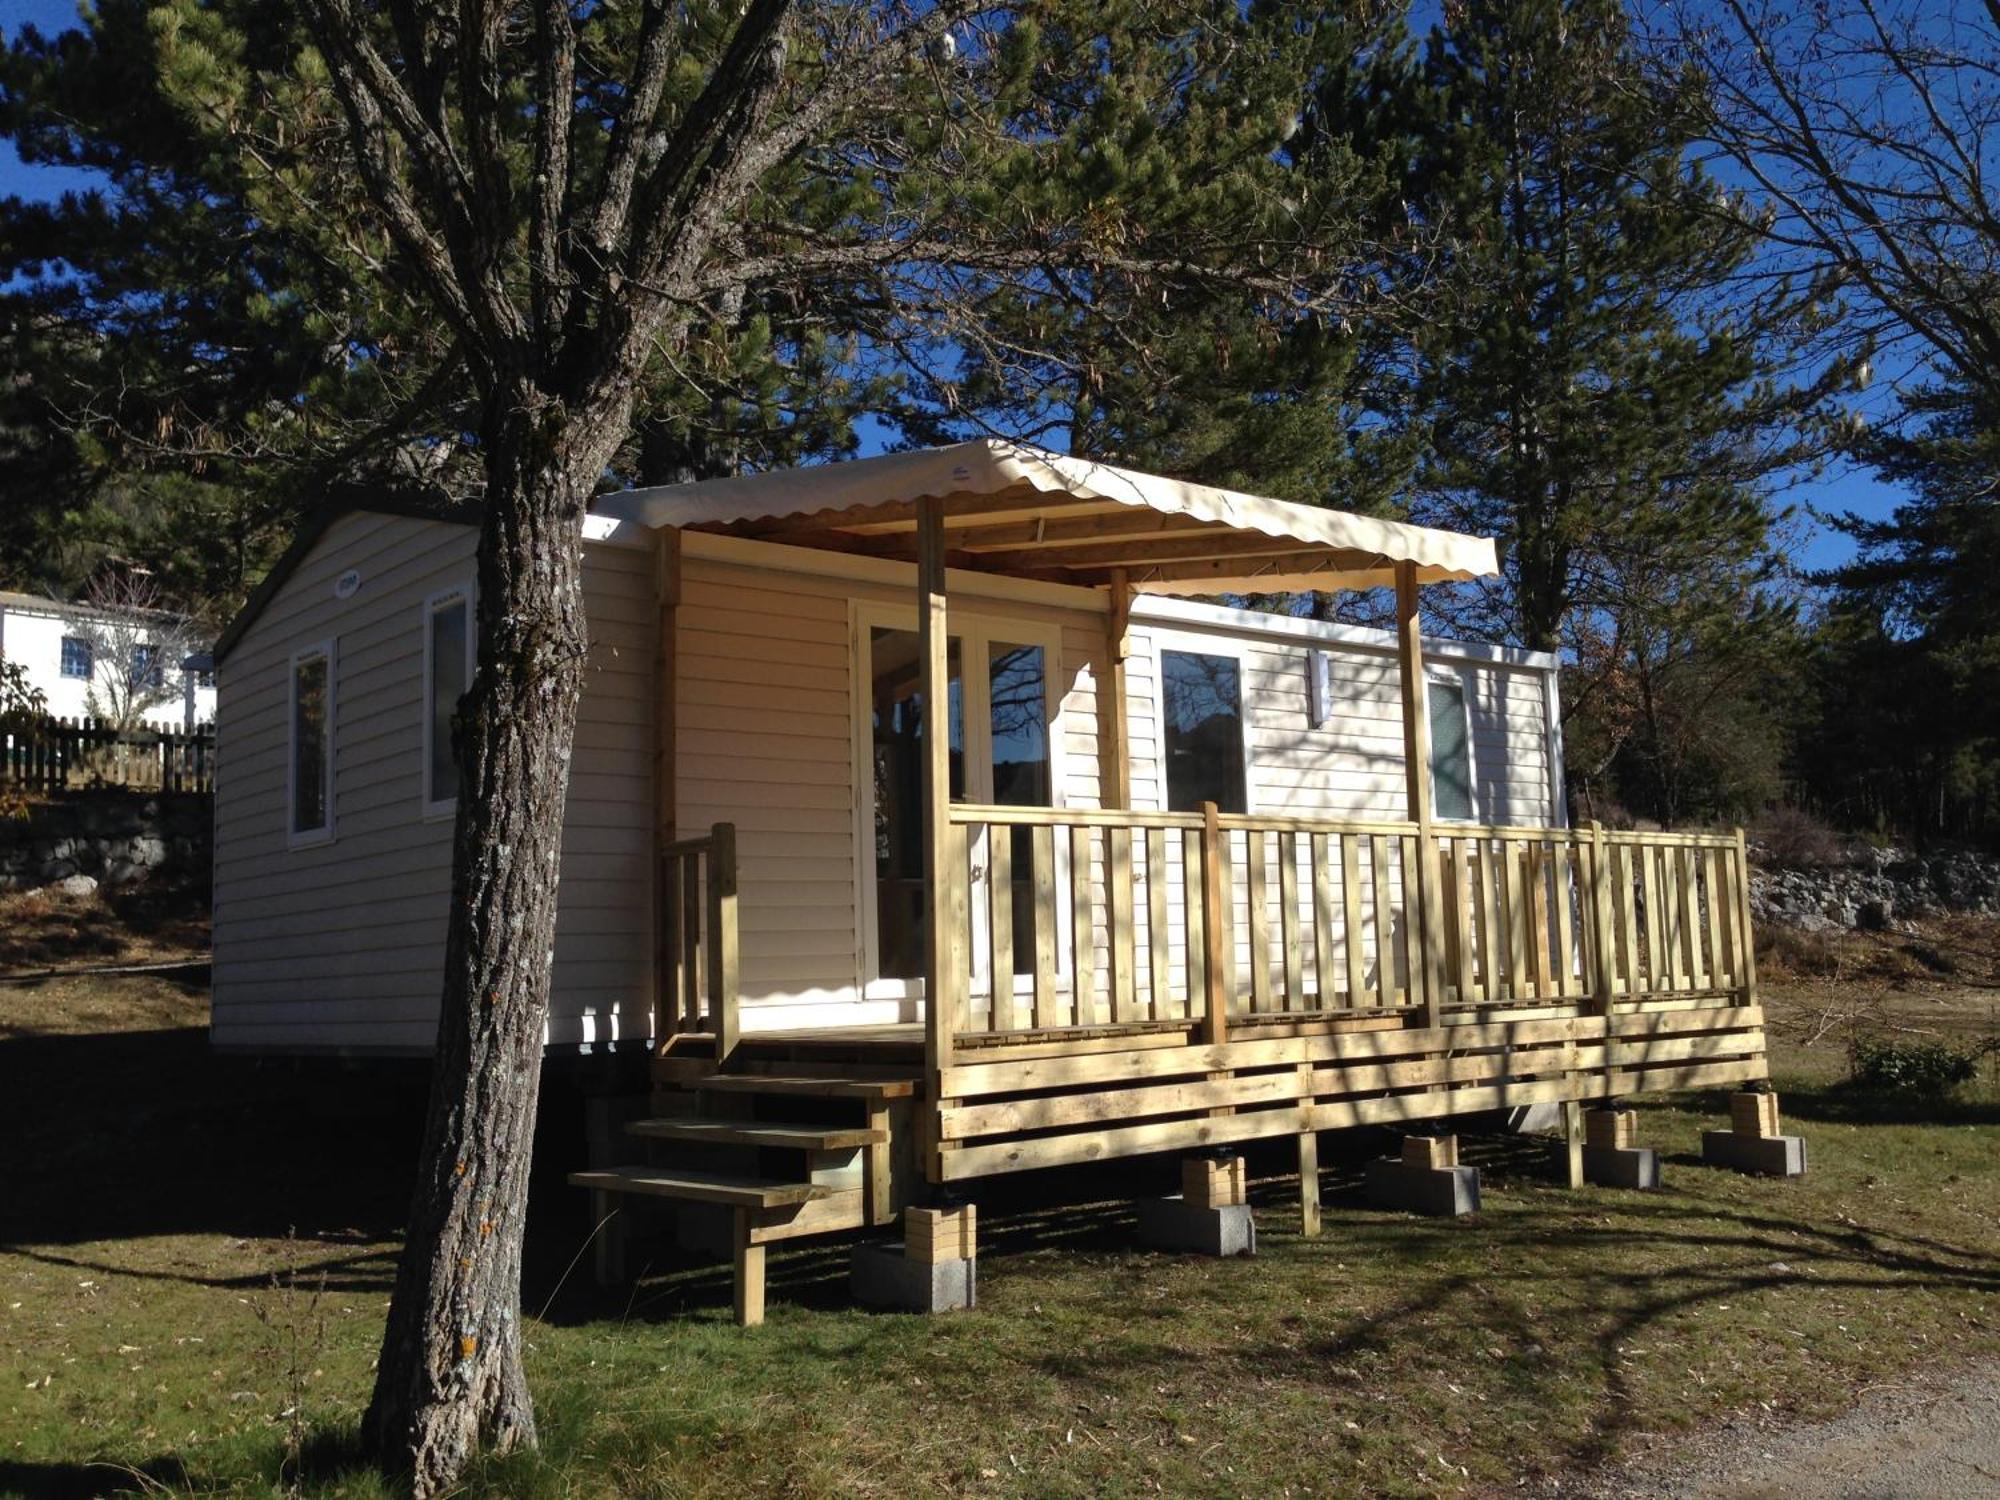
[(822, 1088), (701, 1187), (779, 1135)]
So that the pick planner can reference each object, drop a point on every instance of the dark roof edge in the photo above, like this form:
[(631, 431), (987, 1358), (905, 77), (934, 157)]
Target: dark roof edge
[(315, 526)]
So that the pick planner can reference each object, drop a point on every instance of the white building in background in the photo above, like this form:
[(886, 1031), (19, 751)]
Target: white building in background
[(74, 654)]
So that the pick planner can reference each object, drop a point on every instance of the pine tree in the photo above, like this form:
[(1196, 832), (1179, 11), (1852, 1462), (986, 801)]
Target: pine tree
[(1599, 399)]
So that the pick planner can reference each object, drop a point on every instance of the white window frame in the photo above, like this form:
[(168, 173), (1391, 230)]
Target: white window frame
[(435, 809), (1459, 678), (1194, 643), (62, 659), (295, 837), (974, 630)]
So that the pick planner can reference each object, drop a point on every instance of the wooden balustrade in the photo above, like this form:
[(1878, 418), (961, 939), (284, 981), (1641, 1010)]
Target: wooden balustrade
[(1079, 918), (698, 952)]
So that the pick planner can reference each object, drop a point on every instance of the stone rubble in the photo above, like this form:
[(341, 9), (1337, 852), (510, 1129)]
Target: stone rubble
[(1873, 889)]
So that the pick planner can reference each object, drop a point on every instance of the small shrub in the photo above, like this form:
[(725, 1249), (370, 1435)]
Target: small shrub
[(1791, 950), (1792, 836), (1916, 1069)]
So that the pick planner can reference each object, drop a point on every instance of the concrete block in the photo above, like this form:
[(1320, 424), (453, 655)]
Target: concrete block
[(1621, 1166), (1176, 1224), (1760, 1155), (883, 1276), (1439, 1192), (1754, 1114)]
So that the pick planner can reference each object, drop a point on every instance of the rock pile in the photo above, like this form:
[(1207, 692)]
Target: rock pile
[(112, 837), (1873, 889)]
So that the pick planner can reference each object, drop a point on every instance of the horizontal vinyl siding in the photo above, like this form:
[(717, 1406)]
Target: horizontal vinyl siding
[(1348, 768), (765, 701), (342, 945)]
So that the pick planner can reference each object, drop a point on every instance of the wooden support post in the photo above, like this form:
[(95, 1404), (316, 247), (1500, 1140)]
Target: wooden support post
[(749, 1275), (1216, 1028), (1572, 1112), (608, 1250), (940, 872), (1309, 1224), (876, 1170), (666, 602), (1425, 909), (1114, 751), (932, 1236), (723, 997)]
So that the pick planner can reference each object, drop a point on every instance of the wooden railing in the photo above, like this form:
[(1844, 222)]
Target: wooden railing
[(1188, 920), (698, 955), (56, 754)]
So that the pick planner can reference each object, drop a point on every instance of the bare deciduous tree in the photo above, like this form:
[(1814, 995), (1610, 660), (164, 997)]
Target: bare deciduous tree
[(138, 647), (1872, 129)]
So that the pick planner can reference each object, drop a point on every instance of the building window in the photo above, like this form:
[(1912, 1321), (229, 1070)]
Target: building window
[(148, 672), (78, 660), (312, 744), (1451, 751), (447, 675), (1203, 701)]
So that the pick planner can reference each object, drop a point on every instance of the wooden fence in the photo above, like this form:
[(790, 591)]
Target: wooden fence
[(56, 754)]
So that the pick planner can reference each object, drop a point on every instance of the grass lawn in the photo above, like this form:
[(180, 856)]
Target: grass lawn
[(149, 1188)]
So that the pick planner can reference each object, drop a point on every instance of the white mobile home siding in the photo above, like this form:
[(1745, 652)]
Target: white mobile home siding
[(341, 945), (769, 717)]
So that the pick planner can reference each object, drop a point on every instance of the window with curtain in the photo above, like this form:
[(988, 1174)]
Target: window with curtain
[(312, 744), (1451, 752), (1202, 698)]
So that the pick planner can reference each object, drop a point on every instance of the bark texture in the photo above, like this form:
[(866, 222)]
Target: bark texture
[(450, 1380)]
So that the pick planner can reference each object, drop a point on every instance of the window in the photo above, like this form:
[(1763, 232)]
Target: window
[(1451, 751), (1203, 701), (447, 676), (312, 745), (148, 672), (78, 660)]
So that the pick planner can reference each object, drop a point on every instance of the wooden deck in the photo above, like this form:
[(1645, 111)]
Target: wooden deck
[(1198, 981)]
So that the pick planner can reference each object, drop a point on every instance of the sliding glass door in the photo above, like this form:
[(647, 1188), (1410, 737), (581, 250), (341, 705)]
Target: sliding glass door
[(1002, 751)]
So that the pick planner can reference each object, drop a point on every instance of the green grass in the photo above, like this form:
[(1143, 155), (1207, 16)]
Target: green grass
[(150, 1184)]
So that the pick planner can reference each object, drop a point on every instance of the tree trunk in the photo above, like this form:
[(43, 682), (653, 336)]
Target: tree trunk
[(450, 1379)]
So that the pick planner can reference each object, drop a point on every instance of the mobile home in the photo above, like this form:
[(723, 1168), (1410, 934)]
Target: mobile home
[(938, 792)]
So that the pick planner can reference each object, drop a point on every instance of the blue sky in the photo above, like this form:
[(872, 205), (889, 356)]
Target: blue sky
[(1841, 489)]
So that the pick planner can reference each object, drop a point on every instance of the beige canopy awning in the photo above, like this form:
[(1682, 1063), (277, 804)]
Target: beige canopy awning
[(1025, 512)]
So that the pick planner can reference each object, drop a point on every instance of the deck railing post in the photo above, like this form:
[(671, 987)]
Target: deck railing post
[(943, 873), (722, 956), (1603, 958), (667, 952), (1746, 937), (1213, 898)]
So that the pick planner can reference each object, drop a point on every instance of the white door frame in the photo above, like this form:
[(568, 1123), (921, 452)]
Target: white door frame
[(974, 629)]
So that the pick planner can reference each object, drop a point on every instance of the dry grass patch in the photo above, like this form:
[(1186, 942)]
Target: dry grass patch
[(152, 1183)]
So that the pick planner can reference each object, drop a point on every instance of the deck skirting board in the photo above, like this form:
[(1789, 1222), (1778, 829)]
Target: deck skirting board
[(1036, 1111)]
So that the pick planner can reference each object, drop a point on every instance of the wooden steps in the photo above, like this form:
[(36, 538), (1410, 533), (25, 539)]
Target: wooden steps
[(809, 1086), (774, 1134), (701, 1187)]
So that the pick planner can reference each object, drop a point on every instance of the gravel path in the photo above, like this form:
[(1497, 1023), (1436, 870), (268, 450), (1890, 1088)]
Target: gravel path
[(1931, 1438)]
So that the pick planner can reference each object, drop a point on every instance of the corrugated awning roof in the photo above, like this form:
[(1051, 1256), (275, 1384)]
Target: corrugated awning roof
[(1023, 511)]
